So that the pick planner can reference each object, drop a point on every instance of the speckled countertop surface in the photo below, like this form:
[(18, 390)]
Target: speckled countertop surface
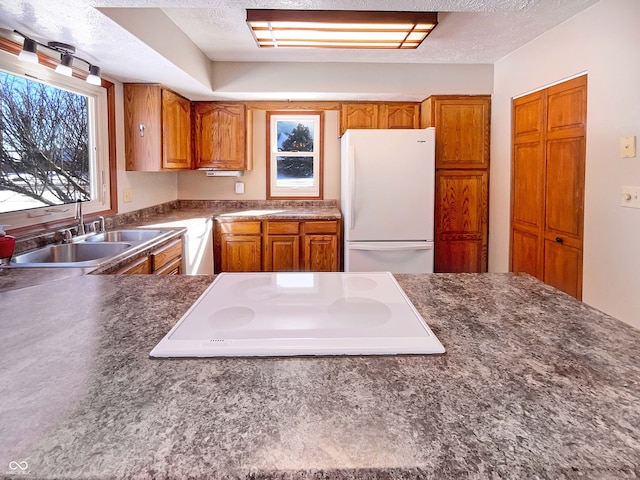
[(533, 385), (179, 216)]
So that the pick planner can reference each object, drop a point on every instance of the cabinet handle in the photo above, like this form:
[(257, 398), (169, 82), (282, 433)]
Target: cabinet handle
[(141, 128), (559, 239)]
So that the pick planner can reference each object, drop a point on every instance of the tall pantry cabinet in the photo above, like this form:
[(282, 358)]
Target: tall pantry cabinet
[(462, 180)]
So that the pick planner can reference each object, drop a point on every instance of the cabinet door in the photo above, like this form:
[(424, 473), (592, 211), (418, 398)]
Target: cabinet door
[(282, 253), (281, 246), (241, 253), (143, 129), (320, 253), (358, 115), (176, 131), (399, 115), (221, 136), (462, 132), (461, 221)]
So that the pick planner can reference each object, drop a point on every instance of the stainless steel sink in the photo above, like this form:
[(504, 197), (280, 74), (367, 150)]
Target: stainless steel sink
[(81, 254), (126, 236)]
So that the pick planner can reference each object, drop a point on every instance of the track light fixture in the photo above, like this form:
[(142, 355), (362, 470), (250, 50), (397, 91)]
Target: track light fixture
[(67, 52), (29, 51)]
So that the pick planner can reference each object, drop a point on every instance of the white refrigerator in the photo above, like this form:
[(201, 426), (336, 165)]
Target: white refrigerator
[(387, 200)]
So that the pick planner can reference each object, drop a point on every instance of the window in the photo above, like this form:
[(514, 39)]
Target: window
[(294, 143), (54, 145)]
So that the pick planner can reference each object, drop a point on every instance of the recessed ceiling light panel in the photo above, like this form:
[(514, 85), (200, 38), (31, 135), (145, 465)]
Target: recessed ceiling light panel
[(340, 28)]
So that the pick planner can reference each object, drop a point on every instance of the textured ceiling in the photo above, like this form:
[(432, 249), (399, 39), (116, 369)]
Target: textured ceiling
[(111, 34)]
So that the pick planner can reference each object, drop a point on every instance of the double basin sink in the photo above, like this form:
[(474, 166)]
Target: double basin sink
[(88, 250)]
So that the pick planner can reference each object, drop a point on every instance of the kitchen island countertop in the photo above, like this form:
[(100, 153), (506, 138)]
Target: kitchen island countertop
[(534, 384)]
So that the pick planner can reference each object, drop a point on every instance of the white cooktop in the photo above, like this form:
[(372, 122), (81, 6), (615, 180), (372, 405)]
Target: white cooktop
[(276, 314)]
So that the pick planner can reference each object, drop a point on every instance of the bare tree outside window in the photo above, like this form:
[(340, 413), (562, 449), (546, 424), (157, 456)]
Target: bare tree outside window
[(44, 140)]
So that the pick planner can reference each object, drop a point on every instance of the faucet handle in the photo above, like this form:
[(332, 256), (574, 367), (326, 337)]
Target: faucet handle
[(67, 236)]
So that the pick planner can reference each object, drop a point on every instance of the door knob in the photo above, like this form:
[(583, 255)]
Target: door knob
[(559, 239)]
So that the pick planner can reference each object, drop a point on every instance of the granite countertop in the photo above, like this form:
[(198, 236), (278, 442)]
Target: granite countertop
[(187, 213), (534, 384)]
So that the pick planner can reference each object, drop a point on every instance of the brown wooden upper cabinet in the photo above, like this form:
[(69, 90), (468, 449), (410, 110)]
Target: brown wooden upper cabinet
[(379, 115), (462, 129), (157, 128), (222, 136), (462, 180)]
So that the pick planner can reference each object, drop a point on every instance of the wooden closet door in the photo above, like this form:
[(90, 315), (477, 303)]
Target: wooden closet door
[(527, 184), (547, 184), (564, 193)]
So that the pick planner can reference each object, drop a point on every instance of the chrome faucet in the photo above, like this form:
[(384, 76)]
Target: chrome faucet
[(67, 236), (103, 227), (80, 218)]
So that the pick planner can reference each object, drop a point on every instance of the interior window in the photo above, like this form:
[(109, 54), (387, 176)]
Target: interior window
[(294, 166), (54, 147)]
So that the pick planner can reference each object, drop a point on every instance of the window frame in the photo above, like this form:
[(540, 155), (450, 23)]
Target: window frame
[(39, 219), (293, 193)]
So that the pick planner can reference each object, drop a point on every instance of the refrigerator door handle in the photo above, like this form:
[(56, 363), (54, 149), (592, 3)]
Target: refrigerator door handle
[(392, 248), (352, 193)]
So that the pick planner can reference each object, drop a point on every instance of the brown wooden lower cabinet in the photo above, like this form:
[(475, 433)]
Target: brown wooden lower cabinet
[(166, 260), (461, 220), (141, 266), (277, 246)]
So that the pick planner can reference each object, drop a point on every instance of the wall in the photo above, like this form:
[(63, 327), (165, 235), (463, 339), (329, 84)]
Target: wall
[(147, 188), (601, 41), (195, 185), (347, 81)]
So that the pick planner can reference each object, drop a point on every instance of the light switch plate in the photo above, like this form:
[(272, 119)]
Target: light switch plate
[(628, 147), (630, 197), (239, 188), (127, 195)]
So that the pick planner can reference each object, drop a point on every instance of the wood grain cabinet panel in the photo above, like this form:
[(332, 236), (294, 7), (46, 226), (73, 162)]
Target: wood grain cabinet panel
[(141, 266), (281, 247), (320, 253), (157, 128), (358, 115), (287, 246), (547, 188), (399, 115), (462, 130), (462, 180), (222, 136), (165, 260), (379, 115), (461, 228)]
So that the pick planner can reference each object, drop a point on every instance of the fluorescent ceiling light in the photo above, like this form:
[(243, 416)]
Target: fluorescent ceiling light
[(340, 28)]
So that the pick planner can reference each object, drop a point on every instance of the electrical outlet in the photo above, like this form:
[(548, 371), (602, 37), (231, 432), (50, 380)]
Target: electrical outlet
[(630, 197), (127, 195)]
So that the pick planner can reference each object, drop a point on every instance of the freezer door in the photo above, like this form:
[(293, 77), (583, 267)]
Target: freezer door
[(388, 185), (394, 257)]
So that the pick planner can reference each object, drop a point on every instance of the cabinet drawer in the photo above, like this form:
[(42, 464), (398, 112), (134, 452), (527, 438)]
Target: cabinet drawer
[(240, 228), (283, 228), (161, 257), (173, 267), (140, 266), (326, 226)]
